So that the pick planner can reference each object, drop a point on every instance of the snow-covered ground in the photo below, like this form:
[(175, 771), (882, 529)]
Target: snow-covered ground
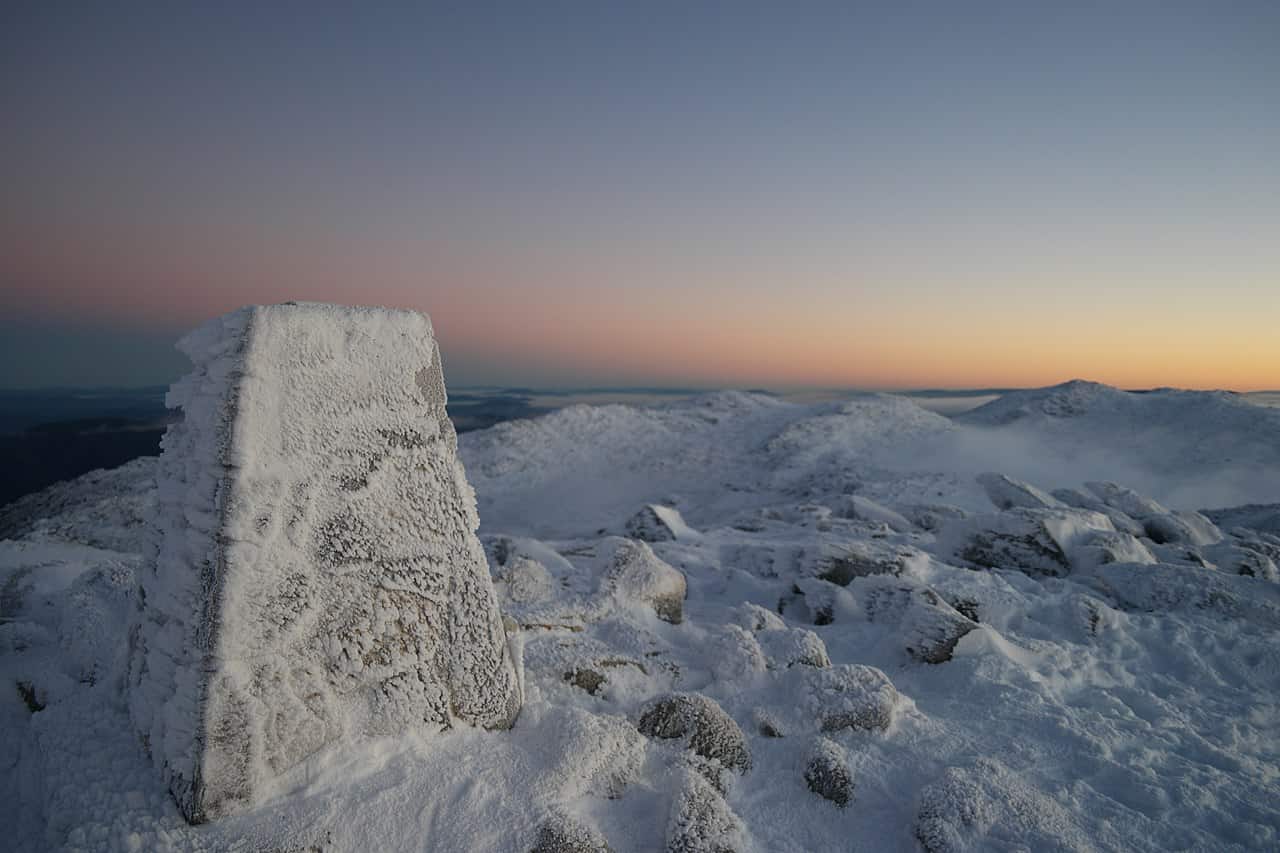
[(1049, 623)]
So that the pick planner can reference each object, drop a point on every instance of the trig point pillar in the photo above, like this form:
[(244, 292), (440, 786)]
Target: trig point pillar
[(318, 576)]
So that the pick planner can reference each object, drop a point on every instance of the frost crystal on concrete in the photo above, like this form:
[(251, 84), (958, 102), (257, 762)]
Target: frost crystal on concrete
[(318, 575)]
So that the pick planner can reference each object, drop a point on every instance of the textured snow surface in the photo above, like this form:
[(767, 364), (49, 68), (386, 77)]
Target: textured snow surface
[(897, 632), (318, 574)]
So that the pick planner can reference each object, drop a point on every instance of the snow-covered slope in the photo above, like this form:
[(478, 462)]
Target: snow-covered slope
[(584, 469), (759, 626), (1187, 448)]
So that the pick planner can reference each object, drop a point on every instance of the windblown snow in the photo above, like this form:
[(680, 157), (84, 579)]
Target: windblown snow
[(751, 625)]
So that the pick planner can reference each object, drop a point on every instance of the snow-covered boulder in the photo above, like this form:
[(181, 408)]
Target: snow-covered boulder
[(701, 725), (927, 626), (989, 807), (1006, 493), (701, 821), (848, 696), (1103, 546), (657, 523), (817, 601), (1080, 500), (584, 663), (319, 575), (827, 773), (636, 574), (1016, 539), (840, 563), (1163, 588), (563, 833), (578, 753), (1262, 518), (526, 581), (734, 653), (865, 509), (1243, 560), (1036, 541), (790, 647), (933, 517), (753, 617), (1126, 500), (1160, 524)]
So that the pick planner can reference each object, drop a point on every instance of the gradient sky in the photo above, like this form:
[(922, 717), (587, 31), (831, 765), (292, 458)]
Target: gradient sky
[(783, 194)]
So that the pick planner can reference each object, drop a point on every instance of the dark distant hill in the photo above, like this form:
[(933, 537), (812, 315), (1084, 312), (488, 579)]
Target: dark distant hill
[(47, 453), (49, 435)]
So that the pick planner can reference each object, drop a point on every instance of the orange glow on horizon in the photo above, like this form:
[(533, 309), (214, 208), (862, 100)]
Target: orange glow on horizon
[(547, 320)]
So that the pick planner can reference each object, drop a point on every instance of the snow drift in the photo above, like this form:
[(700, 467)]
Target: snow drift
[(318, 575)]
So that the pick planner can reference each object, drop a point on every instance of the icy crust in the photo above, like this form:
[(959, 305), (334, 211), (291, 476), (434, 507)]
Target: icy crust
[(319, 576)]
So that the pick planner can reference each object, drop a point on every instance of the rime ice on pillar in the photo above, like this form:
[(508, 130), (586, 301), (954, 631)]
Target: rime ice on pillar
[(318, 574)]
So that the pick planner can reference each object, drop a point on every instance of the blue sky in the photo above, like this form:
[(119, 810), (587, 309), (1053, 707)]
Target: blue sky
[(736, 193)]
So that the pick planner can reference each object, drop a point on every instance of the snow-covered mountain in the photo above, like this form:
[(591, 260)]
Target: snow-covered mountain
[(754, 625), (1191, 448)]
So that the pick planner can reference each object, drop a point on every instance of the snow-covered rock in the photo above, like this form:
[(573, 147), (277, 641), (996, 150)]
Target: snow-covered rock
[(636, 574), (988, 807), (1006, 493), (859, 507), (579, 753), (847, 696), (563, 833), (840, 563), (1260, 518), (526, 581), (927, 626), (817, 601), (1248, 558), (1163, 588), (1104, 546), (701, 821), (1159, 524), (1051, 542), (702, 727), (788, 647), (1016, 539), (753, 617), (827, 773), (319, 575), (657, 523), (735, 653), (1080, 500)]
